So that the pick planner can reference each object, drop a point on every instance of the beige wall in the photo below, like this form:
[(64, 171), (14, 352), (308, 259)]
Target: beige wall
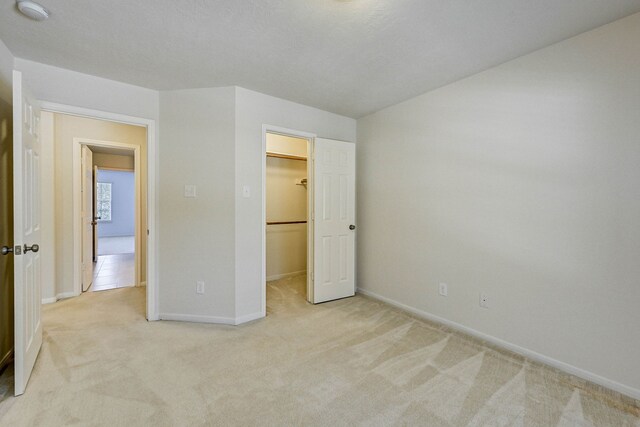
[(6, 73), (286, 201), (66, 128), (115, 161), (522, 182), (6, 200), (286, 145), (6, 228)]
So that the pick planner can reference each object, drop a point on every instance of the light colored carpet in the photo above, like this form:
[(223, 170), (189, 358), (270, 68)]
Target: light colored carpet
[(349, 362), (116, 245)]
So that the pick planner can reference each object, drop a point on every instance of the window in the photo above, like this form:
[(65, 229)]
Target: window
[(103, 199)]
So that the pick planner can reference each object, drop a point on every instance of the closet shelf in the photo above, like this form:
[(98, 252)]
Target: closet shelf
[(285, 222), (285, 156)]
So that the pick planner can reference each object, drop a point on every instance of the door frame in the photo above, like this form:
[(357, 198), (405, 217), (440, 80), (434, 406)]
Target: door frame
[(83, 204), (310, 137), (78, 143), (96, 169), (152, 164)]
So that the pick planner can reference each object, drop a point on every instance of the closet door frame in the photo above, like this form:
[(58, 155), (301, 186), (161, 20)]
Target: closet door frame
[(310, 137)]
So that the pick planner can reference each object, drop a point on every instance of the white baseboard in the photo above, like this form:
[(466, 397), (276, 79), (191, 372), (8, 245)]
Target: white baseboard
[(248, 318), (541, 358), (284, 275), (6, 359), (63, 295), (210, 319), (197, 318)]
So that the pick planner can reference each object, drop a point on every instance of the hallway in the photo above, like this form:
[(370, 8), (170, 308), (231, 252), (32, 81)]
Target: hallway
[(113, 271)]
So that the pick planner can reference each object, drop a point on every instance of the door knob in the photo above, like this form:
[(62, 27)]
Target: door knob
[(34, 248), (352, 227), (6, 250)]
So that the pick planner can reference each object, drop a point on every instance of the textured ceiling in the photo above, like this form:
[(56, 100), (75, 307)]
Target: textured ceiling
[(349, 57)]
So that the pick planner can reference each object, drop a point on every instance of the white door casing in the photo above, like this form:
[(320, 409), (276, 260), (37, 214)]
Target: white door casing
[(87, 217), (94, 223), (334, 214), (27, 232)]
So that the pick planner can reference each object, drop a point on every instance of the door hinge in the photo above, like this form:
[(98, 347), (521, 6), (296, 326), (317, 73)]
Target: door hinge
[(147, 231)]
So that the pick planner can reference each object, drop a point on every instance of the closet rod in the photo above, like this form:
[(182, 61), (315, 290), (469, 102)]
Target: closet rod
[(285, 222), (285, 156)]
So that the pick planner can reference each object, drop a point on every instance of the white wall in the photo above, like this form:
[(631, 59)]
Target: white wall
[(286, 201), (521, 182), (68, 87), (197, 234), (253, 110)]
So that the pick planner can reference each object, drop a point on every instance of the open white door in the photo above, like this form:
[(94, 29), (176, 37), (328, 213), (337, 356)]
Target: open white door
[(334, 220), (87, 218), (26, 206)]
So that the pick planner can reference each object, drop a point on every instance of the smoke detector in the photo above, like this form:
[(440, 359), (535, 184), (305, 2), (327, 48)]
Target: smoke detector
[(33, 10)]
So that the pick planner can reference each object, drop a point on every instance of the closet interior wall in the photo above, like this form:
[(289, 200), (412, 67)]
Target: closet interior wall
[(286, 200)]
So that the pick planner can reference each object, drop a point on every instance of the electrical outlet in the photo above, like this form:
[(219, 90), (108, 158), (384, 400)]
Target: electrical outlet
[(444, 289), (484, 300), (200, 287), (190, 191)]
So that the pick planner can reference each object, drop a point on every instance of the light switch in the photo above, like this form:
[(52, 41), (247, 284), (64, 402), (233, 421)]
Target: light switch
[(189, 191), (246, 191)]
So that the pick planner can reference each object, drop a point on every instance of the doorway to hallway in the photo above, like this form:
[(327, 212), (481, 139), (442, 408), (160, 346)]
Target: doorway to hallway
[(110, 207), (114, 226)]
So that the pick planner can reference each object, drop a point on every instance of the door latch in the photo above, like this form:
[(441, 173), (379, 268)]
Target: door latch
[(34, 248)]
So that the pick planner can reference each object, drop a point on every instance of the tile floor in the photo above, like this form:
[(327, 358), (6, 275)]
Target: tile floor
[(113, 271)]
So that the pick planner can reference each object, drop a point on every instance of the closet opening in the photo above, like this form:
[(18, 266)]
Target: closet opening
[(287, 200)]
